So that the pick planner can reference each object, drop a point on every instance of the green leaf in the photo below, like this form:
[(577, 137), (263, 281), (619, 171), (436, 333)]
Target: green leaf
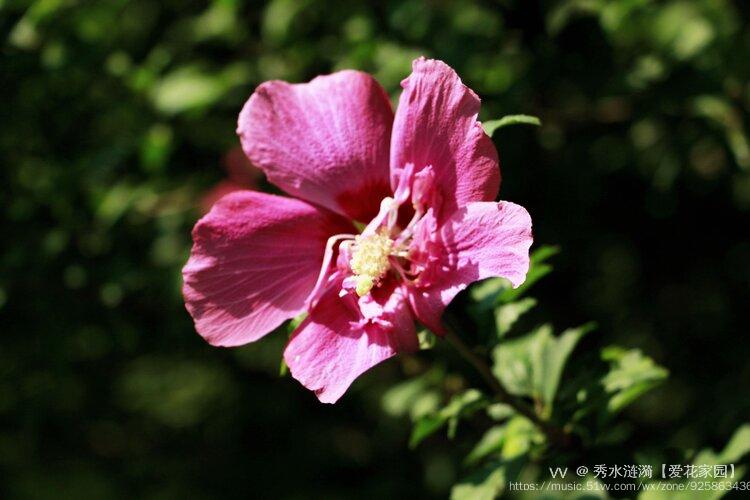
[(493, 125), (720, 111), (461, 405), (415, 397), (507, 315), (488, 293), (737, 447), (512, 363), (543, 253), (425, 427), (549, 357), (192, 87), (532, 365), (424, 404), (397, 400), (500, 411), (631, 375), (485, 484), (279, 17), (491, 442), (520, 435), (485, 292), (537, 270)]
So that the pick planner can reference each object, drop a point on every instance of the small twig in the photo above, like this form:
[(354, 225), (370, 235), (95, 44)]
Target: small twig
[(554, 434)]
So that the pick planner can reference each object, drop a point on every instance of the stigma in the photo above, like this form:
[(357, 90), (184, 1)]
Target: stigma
[(370, 260)]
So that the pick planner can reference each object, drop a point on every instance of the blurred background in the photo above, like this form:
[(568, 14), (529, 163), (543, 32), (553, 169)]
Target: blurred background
[(117, 126)]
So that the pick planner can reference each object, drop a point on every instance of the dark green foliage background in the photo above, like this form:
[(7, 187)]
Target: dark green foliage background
[(115, 116)]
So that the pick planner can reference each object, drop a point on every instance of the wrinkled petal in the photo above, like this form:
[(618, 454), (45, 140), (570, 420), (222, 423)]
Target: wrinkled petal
[(481, 240), (336, 343), (325, 141), (255, 259), (436, 125)]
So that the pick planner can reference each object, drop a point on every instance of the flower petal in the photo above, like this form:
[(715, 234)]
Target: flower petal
[(336, 343), (436, 125), (325, 141), (255, 259), (481, 240)]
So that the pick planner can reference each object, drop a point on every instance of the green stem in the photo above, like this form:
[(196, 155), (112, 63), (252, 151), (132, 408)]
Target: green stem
[(554, 434)]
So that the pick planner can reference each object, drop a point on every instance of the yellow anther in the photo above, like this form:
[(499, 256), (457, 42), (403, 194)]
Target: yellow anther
[(364, 285), (370, 260)]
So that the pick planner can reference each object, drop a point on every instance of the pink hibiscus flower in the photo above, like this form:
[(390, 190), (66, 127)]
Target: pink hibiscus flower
[(423, 181)]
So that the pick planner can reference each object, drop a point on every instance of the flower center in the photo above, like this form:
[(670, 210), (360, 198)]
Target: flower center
[(370, 260)]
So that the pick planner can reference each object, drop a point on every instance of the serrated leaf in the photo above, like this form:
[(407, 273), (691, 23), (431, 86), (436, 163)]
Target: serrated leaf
[(549, 358), (631, 375), (461, 405), (532, 365), (491, 126)]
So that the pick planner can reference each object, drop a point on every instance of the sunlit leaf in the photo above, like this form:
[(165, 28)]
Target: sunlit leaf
[(491, 126), (488, 293), (532, 365), (415, 397), (520, 436), (513, 363), (461, 405), (631, 375), (485, 484), (491, 442), (734, 451), (278, 18), (737, 447), (537, 270), (424, 428), (506, 315), (549, 357), (500, 411), (191, 87)]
